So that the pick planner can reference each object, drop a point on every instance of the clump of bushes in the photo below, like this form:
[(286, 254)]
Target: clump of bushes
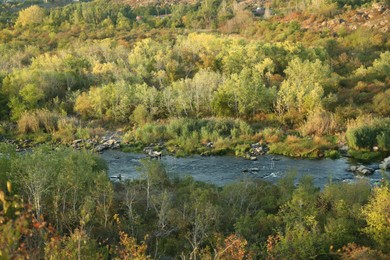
[(319, 123), (272, 135), (333, 154), (365, 134), (42, 125), (365, 155), (38, 120), (67, 128), (28, 123), (192, 135)]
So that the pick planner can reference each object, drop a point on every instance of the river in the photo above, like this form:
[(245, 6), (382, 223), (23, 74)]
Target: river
[(222, 170)]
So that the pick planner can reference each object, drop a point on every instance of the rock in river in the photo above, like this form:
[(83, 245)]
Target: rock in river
[(361, 170)]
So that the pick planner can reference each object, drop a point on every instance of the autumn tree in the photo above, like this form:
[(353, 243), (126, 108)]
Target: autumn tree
[(377, 215), (30, 16)]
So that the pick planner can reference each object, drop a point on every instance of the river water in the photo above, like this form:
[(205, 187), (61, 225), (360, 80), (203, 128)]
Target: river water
[(222, 170)]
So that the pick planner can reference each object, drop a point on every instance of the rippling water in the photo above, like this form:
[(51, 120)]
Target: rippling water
[(221, 170)]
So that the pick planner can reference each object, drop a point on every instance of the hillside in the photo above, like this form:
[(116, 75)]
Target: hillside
[(303, 79)]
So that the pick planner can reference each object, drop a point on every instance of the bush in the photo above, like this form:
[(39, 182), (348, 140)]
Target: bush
[(366, 136), (47, 120), (140, 115), (151, 133), (319, 123), (67, 128), (28, 123), (190, 135), (34, 121), (383, 140), (241, 150), (333, 154), (365, 155), (3, 128), (381, 103), (30, 16), (272, 135)]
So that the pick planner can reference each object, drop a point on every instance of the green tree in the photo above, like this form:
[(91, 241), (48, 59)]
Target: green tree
[(31, 95), (381, 103), (155, 177), (141, 115), (303, 88), (300, 241), (78, 245)]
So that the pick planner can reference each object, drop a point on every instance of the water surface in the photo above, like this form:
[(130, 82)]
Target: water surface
[(222, 170)]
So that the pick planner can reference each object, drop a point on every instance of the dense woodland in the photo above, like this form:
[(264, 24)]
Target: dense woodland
[(296, 75), (303, 77)]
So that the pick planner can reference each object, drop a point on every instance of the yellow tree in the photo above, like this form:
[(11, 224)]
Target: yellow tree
[(377, 216), (31, 15)]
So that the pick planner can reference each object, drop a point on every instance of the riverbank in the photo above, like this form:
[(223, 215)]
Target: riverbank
[(182, 137)]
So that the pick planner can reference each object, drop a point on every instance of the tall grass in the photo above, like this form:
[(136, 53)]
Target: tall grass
[(67, 128), (28, 123), (38, 120), (295, 146), (319, 123), (272, 135), (47, 120)]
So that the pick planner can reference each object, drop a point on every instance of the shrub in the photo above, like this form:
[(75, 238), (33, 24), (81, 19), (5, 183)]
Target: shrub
[(190, 134), (83, 133), (362, 135), (365, 155), (28, 123), (272, 135), (151, 133), (140, 115), (319, 123), (67, 128), (41, 119), (3, 128), (241, 150), (333, 154), (383, 140), (354, 251), (381, 103), (47, 120)]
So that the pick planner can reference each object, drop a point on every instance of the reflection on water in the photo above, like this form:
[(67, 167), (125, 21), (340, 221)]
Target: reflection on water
[(221, 170)]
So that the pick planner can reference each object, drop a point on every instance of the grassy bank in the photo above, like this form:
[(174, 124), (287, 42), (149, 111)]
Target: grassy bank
[(225, 136), (191, 136), (307, 147), (182, 137)]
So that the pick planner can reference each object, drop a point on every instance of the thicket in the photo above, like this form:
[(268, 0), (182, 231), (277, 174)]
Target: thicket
[(186, 136), (60, 203), (368, 136)]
